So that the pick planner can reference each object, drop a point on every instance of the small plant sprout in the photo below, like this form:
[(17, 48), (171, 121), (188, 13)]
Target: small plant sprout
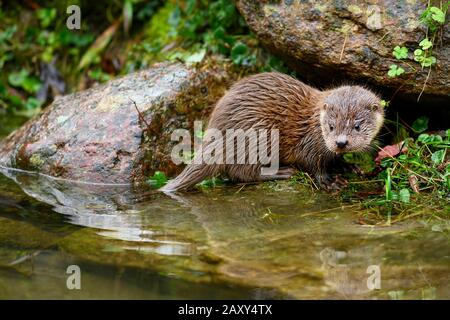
[(384, 103), (400, 53), (434, 19), (395, 71)]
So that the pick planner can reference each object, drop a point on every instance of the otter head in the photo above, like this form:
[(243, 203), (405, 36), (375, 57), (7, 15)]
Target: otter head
[(350, 117)]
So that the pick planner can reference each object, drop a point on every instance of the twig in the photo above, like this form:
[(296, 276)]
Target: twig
[(242, 187), (140, 115), (343, 48), (424, 85)]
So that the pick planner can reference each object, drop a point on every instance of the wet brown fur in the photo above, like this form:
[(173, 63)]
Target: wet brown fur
[(277, 101)]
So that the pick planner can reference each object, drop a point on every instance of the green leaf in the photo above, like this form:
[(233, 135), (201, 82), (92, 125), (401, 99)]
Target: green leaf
[(208, 183), (426, 44), (428, 61), (418, 55), (127, 15), (438, 157), (8, 33), (46, 16), (437, 15), (23, 80), (404, 195), (98, 46), (33, 103), (395, 71), (238, 51), (158, 179), (70, 38), (420, 125), (388, 185), (31, 84), (196, 57), (16, 79), (363, 160), (400, 52)]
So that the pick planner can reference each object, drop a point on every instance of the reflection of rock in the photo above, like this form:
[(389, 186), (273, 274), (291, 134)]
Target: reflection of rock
[(350, 39), (103, 207), (97, 135)]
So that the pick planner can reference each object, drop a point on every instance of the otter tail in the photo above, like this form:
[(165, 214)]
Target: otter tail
[(190, 176)]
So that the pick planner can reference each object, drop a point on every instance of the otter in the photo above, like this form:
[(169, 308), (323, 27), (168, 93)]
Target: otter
[(314, 127)]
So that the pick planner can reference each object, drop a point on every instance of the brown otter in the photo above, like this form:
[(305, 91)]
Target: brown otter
[(314, 127)]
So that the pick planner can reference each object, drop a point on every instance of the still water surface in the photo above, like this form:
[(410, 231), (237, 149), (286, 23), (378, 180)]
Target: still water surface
[(257, 242)]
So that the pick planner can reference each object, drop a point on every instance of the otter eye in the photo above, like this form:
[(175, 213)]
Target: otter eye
[(357, 127), (331, 128), (373, 107)]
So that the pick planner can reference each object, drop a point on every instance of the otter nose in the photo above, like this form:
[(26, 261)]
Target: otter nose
[(341, 142)]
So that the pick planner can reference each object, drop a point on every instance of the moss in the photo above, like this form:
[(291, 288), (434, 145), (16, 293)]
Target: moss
[(354, 9), (270, 9), (158, 34), (23, 235), (36, 161), (321, 7)]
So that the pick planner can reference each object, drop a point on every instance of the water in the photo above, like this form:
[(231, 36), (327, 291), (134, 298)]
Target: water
[(257, 242)]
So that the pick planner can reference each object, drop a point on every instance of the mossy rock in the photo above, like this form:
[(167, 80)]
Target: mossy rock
[(98, 135), (335, 40)]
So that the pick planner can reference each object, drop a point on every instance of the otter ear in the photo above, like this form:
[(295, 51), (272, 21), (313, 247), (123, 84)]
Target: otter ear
[(325, 107)]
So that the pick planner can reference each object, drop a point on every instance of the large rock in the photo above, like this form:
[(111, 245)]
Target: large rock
[(338, 39), (97, 135)]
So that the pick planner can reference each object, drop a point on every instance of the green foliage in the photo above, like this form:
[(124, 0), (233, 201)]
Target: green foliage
[(193, 29), (42, 38), (400, 52), (420, 125), (211, 183), (158, 180), (426, 44), (363, 160), (395, 71), (404, 195), (98, 75), (384, 103), (46, 16), (423, 57), (22, 79), (434, 19), (117, 37), (240, 55), (424, 168)]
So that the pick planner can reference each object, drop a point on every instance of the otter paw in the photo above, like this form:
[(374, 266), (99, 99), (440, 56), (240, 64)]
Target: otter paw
[(333, 183)]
